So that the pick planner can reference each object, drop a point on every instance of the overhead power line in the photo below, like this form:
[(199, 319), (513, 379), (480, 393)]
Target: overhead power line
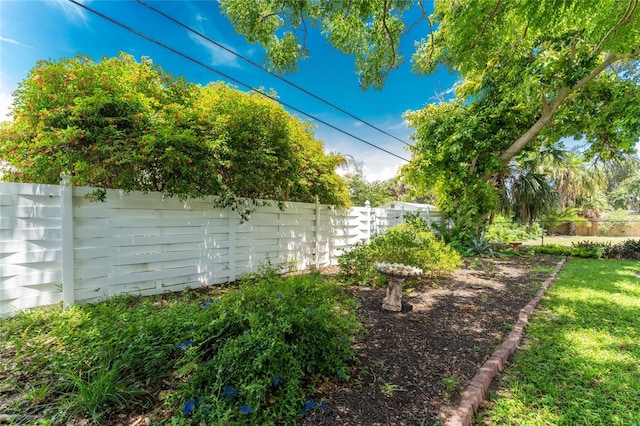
[(228, 77), (255, 64)]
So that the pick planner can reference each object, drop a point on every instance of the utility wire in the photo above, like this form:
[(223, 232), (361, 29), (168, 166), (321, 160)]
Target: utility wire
[(249, 61), (210, 68)]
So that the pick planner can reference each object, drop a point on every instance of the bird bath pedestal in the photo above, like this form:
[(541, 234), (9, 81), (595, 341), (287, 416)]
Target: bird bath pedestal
[(397, 273)]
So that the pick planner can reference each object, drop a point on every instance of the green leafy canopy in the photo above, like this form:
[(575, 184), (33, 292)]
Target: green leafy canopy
[(532, 72), (119, 123)]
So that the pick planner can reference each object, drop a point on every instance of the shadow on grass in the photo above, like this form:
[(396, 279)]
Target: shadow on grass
[(581, 364)]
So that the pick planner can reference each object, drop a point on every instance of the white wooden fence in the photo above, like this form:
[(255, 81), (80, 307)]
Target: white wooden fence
[(57, 246)]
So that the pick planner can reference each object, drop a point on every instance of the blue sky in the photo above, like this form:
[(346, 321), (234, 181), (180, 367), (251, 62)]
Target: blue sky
[(31, 30)]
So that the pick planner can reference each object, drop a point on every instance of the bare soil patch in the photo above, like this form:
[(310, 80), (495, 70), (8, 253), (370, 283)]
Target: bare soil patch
[(412, 365)]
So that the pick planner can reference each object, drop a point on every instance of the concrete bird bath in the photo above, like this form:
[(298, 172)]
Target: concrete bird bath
[(397, 273)]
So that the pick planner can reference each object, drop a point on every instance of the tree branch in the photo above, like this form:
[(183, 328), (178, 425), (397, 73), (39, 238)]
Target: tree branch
[(545, 104), (385, 10), (626, 17), (549, 109), (492, 15), (610, 59), (268, 15)]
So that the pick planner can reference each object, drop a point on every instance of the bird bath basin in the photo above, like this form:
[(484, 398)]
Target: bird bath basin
[(397, 273)]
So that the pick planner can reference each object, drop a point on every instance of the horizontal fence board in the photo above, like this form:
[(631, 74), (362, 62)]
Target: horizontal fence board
[(31, 256), (29, 189), (156, 257), (31, 234), (46, 277), (28, 291), (13, 306), (29, 268), (31, 211), (8, 222), (13, 246)]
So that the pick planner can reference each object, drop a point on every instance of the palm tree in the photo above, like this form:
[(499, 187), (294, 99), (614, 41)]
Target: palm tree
[(579, 185), (527, 192)]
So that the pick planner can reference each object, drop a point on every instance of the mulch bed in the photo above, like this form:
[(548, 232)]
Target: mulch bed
[(413, 364)]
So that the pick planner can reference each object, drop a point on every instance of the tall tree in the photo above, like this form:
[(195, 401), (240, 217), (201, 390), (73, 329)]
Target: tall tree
[(526, 192), (620, 169), (531, 72), (627, 194), (579, 184), (119, 123), (361, 190)]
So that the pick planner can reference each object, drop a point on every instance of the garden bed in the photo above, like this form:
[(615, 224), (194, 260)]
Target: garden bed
[(413, 364)]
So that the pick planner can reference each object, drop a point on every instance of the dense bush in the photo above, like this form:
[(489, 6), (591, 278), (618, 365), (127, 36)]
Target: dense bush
[(593, 249), (411, 243), (553, 249), (627, 250), (118, 123), (250, 356), (503, 231), (260, 349)]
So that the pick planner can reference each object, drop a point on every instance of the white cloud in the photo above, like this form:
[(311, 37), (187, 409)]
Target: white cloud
[(15, 42), (9, 40), (73, 12), (443, 95), (384, 173), (401, 125), (5, 106), (219, 56)]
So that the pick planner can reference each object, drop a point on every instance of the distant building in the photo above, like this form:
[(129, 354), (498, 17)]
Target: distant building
[(406, 206)]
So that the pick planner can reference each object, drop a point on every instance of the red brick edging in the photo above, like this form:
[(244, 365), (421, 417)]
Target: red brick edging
[(473, 395)]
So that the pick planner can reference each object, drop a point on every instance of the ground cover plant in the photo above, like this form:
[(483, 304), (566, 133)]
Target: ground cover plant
[(580, 362), (250, 355)]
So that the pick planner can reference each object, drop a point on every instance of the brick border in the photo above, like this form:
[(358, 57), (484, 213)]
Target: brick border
[(473, 395)]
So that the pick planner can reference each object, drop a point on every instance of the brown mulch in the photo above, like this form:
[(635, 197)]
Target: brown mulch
[(414, 364)]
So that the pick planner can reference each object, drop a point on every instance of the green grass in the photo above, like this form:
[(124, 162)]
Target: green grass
[(249, 354), (581, 361)]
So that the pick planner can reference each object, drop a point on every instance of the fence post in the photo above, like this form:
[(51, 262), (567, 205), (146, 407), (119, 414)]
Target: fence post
[(68, 272), (317, 235), (232, 244), (367, 205)]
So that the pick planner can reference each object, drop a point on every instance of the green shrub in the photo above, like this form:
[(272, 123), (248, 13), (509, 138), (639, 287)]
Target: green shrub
[(628, 249), (101, 358), (411, 243), (259, 350), (480, 246), (590, 249), (250, 356), (553, 249), (584, 249), (503, 231)]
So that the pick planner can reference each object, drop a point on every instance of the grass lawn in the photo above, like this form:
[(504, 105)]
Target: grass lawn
[(580, 363)]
